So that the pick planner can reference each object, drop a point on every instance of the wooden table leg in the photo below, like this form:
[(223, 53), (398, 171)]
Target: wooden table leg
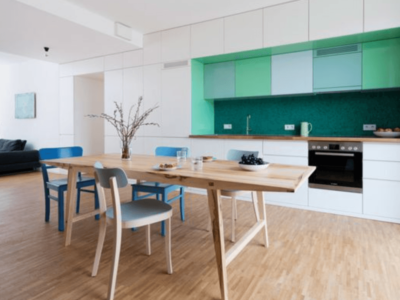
[(261, 203), (71, 203), (214, 204)]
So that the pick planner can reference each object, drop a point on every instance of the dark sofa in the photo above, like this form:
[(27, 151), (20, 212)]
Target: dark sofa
[(13, 158)]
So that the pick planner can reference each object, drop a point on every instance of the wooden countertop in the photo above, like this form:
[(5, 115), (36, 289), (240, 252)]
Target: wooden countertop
[(298, 138)]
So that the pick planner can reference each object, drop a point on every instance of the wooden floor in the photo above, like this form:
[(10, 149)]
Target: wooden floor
[(312, 256)]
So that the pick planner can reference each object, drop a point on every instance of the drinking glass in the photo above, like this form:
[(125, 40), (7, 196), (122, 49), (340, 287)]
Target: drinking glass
[(197, 163), (181, 156)]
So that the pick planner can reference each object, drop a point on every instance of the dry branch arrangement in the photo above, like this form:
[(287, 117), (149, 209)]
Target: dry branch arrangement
[(127, 130)]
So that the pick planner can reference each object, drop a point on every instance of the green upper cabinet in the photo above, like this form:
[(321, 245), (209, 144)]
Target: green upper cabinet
[(219, 80), (381, 64), (253, 77), (338, 69)]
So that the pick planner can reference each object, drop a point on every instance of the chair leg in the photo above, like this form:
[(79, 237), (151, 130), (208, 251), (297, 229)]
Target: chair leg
[(114, 268), (96, 203), (148, 240), (78, 200), (100, 244), (233, 235), (168, 247), (182, 203), (47, 205), (165, 200), (60, 211)]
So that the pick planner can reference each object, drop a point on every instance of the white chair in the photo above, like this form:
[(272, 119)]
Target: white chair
[(127, 215), (236, 155)]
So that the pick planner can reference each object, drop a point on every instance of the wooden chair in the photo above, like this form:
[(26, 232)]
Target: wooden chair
[(236, 155), (162, 189), (61, 185), (127, 215)]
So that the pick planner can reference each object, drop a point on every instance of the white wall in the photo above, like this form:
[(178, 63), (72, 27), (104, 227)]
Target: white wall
[(88, 99), (41, 78)]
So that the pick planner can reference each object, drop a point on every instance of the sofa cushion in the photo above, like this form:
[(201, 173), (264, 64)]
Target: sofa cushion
[(12, 145), (15, 157)]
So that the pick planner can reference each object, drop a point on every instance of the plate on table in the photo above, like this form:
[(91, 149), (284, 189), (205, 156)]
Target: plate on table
[(254, 167), (166, 167), (208, 158), (387, 134)]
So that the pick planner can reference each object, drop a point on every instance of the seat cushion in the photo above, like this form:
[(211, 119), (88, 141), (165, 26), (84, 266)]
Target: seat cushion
[(12, 145), (142, 212)]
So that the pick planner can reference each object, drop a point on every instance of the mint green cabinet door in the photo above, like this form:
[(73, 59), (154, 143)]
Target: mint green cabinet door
[(381, 64), (253, 77), (219, 80), (339, 72)]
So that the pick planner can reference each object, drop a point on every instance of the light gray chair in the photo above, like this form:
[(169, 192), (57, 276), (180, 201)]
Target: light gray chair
[(126, 215), (236, 155)]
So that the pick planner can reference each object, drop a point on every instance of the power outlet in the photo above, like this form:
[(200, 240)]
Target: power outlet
[(289, 127), (369, 127), (227, 126)]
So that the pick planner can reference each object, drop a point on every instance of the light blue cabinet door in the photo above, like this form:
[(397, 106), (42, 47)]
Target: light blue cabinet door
[(219, 80), (338, 72), (292, 73)]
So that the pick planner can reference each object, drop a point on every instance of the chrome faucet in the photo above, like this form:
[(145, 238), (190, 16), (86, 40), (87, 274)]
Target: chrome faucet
[(248, 129)]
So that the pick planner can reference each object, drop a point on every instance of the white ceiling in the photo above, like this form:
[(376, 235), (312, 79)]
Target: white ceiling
[(25, 30), (148, 16)]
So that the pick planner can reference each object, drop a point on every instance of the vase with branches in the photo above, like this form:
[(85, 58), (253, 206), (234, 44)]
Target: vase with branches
[(127, 129)]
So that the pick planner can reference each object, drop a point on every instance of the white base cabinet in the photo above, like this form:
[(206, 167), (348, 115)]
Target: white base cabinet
[(335, 200), (381, 198)]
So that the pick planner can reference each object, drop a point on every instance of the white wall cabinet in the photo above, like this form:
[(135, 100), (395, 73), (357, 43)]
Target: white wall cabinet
[(175, 44), (176, 102), (88, 66), (208, 147), (133, 59), (152, 48), (286, 23), (113, 92), (207, 38), (285, 148), (66, 112), (113, 62), (152, 97), (381, 14), (132, 90), (292, 73), (335, 18), (381, 198), (243, 31)]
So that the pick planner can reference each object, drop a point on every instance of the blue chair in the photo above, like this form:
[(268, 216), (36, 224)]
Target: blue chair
[(162, 189), (236, 155), (61, 185)]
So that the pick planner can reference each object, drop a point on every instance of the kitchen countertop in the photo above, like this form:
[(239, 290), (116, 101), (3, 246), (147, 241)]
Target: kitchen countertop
[(298, 138)]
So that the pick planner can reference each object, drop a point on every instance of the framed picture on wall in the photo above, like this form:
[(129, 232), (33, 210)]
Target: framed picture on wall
[(25, 106)]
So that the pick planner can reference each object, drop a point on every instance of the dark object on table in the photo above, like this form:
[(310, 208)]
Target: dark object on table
[(13, 158), (251, 160)]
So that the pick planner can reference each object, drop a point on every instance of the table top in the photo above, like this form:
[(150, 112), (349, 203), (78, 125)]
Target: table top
[(219, 174)]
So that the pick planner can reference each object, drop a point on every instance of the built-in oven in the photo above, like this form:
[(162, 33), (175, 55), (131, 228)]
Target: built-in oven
[(339, 166)]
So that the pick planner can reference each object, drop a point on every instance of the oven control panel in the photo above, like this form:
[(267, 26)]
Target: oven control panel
[(335, 146)]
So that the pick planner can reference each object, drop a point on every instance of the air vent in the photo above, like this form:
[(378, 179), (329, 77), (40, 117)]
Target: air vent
[(337, 50), (176, 64)]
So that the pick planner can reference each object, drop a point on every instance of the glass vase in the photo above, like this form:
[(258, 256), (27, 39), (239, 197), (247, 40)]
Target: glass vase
[(126, 151)]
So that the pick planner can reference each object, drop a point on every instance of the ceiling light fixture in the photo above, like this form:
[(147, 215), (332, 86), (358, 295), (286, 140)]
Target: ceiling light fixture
[(46, 51)]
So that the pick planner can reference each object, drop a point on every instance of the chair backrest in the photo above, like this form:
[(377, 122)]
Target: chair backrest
[(104, 176), (54, 153), (170, 151), (234, 154)]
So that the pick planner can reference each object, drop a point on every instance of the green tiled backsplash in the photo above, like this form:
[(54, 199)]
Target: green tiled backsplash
[(338, 114)]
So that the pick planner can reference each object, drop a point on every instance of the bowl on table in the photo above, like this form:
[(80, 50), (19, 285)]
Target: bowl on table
[(208, 158), (254, 167)]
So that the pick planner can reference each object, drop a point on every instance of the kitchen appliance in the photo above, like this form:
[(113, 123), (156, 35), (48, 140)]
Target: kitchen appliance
[(305, 128), (339, 166)]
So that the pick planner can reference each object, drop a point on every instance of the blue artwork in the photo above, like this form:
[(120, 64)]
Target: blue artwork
[(25, 106)]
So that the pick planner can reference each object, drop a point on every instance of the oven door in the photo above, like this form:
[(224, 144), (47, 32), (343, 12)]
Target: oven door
[(336, 171)]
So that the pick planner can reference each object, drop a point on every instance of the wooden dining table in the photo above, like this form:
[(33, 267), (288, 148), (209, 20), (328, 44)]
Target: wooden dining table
[(215, 176)]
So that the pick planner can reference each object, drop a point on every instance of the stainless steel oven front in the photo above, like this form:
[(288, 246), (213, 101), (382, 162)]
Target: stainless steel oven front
[(339, 166)]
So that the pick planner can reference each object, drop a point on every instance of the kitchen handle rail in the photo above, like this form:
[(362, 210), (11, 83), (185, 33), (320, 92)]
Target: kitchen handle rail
[(335, 154)]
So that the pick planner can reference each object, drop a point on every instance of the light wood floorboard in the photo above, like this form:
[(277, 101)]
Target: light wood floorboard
[(312, 255)]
